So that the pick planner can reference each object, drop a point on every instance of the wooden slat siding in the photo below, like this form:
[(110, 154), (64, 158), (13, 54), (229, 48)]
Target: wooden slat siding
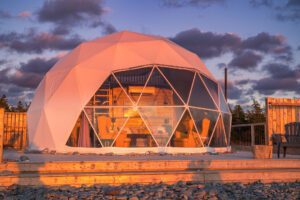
[(15, 130), (281, 111), (1, 133)]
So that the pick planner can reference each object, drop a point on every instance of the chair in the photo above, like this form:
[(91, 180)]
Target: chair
[(205, 130)]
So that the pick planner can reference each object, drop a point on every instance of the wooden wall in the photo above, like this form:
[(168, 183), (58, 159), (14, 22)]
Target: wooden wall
[(15, 130), (280, 111)]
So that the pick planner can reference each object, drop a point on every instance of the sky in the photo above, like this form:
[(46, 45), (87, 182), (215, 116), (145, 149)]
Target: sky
[(257, 40)]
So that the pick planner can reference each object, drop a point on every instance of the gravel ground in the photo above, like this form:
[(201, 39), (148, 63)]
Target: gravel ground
[(180, 190)]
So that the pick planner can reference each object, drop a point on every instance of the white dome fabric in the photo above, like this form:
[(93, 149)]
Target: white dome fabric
[(73, 80)]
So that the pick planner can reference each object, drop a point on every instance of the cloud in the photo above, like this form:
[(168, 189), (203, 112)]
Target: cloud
[(278, 70), (65, 14), (234, 92), (243, 81), (70, 11), (108, 29), (38, 65), (3, 61), (280, 77), (197, 3), (16, 93), (247, 60), (284, 10), (269, 85), (24, 14), (248, 52), (5, 15), (37, 42), (266, 43), (289, 12), (258, 3), (29, 74), (207, 44)]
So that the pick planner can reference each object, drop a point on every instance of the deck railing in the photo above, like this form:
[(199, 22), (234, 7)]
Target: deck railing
[(248, 134)]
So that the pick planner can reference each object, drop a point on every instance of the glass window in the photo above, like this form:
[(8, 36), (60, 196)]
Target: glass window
[(158, 92), (108, 121), (199, 96), (212, 88), (227, 125), (110, 94), (185, 134), (223, 104), (133, 81), (159, 117), (134, 134), (83, 134), (218, 138), (180, 79), (161, 121), (205, 122)]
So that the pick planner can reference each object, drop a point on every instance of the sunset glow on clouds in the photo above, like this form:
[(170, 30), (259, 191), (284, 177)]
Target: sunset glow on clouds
[(257, 39)]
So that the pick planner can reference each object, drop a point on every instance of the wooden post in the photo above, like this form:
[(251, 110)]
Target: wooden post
[(252, 135), (267, 126), (24, 131), (1, 133)]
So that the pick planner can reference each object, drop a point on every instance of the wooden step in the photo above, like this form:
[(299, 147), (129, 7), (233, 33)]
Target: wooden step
[(148, 171), (169, 177), (149, 165)]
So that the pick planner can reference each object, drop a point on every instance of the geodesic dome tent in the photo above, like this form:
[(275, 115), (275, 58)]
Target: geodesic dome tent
[(129, 92)]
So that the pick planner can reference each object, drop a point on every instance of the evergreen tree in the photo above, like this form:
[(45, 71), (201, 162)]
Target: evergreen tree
[(238, 115), (256, 114), (20, 107), (4, 103)]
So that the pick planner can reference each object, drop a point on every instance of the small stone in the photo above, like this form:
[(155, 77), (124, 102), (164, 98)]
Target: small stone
[(133, 198), (121, 198), (213, 192), (185, 197), (24, 158), (200, 194), (200, 186)]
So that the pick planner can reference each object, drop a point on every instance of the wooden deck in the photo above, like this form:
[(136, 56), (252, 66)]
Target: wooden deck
[(76, 173)]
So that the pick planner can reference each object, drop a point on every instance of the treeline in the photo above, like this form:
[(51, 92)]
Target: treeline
[(255, 114), (20, 107)]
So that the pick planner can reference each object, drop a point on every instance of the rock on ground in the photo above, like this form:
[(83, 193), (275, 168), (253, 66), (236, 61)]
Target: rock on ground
[(180, 190)]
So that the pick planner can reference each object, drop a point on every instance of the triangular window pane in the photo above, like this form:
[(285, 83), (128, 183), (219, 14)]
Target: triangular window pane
[(108, 121), (227, 125), (205, 122), (223, 104), (218, 137), (133, 81), (110, 93), (83, 134), (180, 79), (134, 134), (212, 88), (161, 121), (185, 134), (199, 96), (158, 92)]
